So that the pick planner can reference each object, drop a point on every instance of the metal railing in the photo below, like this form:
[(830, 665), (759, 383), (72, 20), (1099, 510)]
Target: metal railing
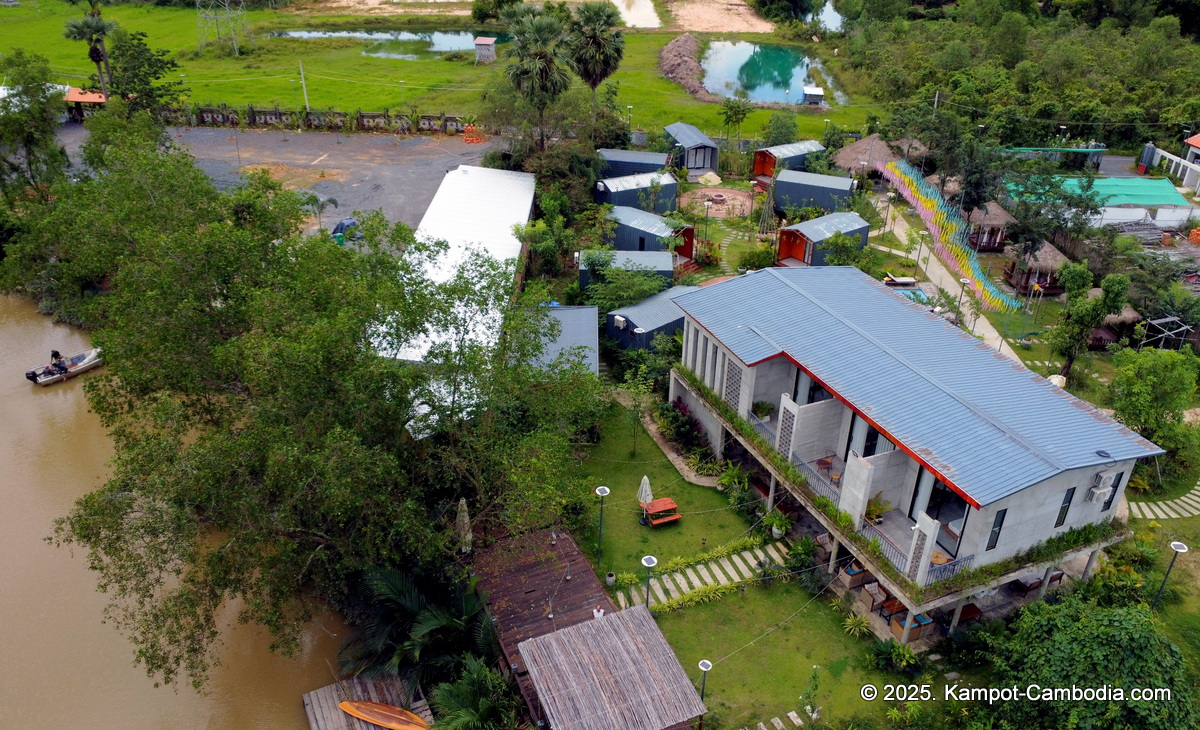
[(762, 427), (816, 482), (954, 567), (890, 551)]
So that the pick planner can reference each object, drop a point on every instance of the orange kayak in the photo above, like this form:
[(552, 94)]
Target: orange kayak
[(383, 715)]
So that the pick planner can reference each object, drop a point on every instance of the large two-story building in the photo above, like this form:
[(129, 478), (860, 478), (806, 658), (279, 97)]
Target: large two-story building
[(977, 458)]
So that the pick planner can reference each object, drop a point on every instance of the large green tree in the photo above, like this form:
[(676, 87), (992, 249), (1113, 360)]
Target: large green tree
[(1079, 644), (138, 74), (31, 159), (1083, 313), (1151, 388), (597, 45)]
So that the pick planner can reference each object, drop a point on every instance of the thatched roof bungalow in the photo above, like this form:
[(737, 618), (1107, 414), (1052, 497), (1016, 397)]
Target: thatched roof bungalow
[(1115, 326), (872, 149), (1040, 269)]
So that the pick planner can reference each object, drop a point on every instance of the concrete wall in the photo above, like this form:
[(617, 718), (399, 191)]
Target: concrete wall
[(856, 487), (894, 475), (712, 427), (817, 426), (1033, 511), (773, 378)]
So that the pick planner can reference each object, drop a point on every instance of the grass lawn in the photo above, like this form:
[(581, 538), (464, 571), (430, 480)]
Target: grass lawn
[(707, 520), (1181, 619), (339, 76), (766, 679)]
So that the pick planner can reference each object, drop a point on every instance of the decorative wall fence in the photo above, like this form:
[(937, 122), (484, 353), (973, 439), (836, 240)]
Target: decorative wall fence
[(950, 232), (334, 121)]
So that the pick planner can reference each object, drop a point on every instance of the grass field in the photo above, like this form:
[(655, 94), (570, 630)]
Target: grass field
[(707, 520), (339, 76)]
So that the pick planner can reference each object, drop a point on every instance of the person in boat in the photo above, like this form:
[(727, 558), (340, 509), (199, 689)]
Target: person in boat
[(57, 364)]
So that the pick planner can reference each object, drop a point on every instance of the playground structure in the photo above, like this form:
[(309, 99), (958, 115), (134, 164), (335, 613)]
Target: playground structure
[(949, 232)]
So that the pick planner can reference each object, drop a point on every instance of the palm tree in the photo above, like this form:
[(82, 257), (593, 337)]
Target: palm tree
[(92, 29), (541, 71), (410, 635), (597, 47), (734, 112), (318, 204), (480, 699), (93, 10)]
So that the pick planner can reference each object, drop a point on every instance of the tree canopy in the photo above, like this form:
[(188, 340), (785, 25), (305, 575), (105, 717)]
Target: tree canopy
[(1070, 337), (30, 156)]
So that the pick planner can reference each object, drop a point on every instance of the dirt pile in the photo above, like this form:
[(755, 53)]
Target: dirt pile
[(679, 61)]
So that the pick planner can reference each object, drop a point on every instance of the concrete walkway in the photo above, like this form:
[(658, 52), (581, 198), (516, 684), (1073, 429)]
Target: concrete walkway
[(940, 275), (1186, 506)]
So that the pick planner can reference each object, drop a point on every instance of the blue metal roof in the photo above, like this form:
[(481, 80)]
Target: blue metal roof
[(641, 220), (983, 422), (818, 229), (651, 158), (793, 149), (688, 136), (811, 178), (637, 182), (579, 329), (656, 311), (652, 260)]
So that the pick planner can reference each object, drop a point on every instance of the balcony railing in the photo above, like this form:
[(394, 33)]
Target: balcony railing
[(764, 429), (816, 482), (894, 554), (942, 572)]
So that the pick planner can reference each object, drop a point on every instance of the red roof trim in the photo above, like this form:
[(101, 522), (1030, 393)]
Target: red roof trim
[(1193, 141)]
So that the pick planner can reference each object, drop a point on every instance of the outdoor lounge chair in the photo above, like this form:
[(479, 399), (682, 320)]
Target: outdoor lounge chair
[(824, 543), (1027, 586), (875, 594)]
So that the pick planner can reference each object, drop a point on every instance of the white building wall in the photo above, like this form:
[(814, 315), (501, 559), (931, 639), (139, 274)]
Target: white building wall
[(772, 378), (817, 426), (894, 474), (1032, 513)]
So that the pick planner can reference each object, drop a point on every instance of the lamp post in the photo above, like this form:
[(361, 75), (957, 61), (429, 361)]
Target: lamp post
[(649, 561), (601, 492), (826, 125), (923, 235), (705, 665), (629, 108), (237, 146), (888, 215), (402, 94), (1179, 548), (965, 282)]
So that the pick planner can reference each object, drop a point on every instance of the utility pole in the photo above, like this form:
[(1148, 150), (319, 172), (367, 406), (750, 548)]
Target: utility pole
[(304, 86)]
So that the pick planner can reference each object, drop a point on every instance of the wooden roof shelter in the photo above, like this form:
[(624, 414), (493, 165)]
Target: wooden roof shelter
[(1046, 260), (612, 672), (872, 149), (990, 215), (536, 584), (1127, 316)]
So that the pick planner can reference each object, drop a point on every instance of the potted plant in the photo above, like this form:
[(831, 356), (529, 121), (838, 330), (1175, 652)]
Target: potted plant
[(876, 506), (778, 522), (763, 410)]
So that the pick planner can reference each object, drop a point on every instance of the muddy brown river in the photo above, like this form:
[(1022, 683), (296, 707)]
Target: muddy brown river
[(59, 665)]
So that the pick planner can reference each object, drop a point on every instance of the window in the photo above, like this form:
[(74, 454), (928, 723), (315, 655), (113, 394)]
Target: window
[(1116, 484), (1066, 505), (997, 525), (816, 393)]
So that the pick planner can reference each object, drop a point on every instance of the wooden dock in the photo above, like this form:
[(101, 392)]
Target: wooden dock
[(321, 705)]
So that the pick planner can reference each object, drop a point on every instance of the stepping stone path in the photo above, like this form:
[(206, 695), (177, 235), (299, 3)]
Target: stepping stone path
[(726, 266), (777, 724), (730, 569), (1186, 506)]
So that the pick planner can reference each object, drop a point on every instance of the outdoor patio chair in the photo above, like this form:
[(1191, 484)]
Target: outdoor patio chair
[(875, 594), (824, 545), (1055, 578), (1027, 586)]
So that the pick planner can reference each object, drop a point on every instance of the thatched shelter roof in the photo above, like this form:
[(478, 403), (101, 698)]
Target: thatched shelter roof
[(872, 149), (1127, 316), (616, 671), (953, 184), (990, 215), (1046, 260)]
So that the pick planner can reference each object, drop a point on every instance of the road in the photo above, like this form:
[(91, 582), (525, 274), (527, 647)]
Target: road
[(395, 174)]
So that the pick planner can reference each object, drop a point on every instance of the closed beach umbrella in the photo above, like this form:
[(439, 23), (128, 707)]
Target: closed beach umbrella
[(645, 495)]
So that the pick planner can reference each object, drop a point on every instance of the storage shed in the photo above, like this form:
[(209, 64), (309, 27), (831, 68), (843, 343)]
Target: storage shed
[(618, 163), (814, 95), (485, 50), (631, 190), (577, 330), (638, 230), (658, 262), (798, 243), (635, 326), (784, 157), (698, 153), (803, 189)]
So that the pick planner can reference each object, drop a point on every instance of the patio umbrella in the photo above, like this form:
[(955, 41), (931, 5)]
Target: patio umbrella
[(462, 525), (645, 495)]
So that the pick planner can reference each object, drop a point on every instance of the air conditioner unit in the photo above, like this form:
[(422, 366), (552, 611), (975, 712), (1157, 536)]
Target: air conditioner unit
[(1104, 479), (1099, 494), (619, 322)]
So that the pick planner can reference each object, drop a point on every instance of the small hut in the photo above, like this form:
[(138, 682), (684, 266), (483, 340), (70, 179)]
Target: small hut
[(1115, 326), (784, 157), (636, 325), (635, 190), (871, 150), (799, 244), (814, 95), (989, 226), (637, 230), (1040, 269), (803, 189), (485, 50), (698, 153), (618, 163), (660, 263)]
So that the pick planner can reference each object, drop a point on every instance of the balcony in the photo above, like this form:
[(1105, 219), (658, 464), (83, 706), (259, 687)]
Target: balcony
[(893, 535)]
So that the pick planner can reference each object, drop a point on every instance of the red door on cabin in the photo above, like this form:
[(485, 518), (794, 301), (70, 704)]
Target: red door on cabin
[(764, 163), (688, 234)]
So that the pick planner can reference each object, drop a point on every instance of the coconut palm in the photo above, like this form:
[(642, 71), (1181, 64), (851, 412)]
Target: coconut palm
[(734, 112), (94, 6), (541, 68), (414, 636), (597, 46), (480, 699), (92, 29)]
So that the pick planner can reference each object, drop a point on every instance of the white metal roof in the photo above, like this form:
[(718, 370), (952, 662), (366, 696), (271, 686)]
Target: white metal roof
[(636, 182)]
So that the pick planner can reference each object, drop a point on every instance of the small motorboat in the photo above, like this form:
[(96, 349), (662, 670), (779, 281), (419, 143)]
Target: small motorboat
[(63, 368), (383, 715)]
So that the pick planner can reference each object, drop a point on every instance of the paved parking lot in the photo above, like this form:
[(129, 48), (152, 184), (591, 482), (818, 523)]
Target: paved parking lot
[(398, 175)]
